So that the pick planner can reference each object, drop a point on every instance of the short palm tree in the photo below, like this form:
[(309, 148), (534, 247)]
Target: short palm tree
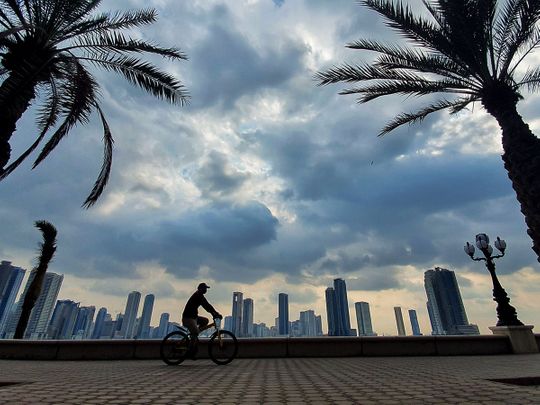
[(47, 250), (469, 50), (45, 49)]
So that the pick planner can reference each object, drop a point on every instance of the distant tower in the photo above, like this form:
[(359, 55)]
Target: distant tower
[(399, 321), (83, 323), (247, 318), (63, 320), (143, 328), (283, 314), (308, 323), (228, 323), (363, 319), (10, 281), (445, 306), (318, 326), (42, 311), (414, 323), (100, 322), (163, 325), (130, 315), (237, 309), (337, 309), (331, 312)]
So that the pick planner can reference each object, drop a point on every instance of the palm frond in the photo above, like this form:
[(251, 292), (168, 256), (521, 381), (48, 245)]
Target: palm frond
[(357, 73), (78, 98), (385, 88), (411, 118), (531, 79), (103, 176), (46, 119), (145, 75), (15, 7), (118, 43)]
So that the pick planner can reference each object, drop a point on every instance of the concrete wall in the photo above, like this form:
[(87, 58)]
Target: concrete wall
[(268, 347)]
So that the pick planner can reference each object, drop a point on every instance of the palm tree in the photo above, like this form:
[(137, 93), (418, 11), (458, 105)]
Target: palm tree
[(48, 247), (45, 49), (468, 50)]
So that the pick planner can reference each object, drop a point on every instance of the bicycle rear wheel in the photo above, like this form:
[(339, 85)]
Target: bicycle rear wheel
[(174, 348), (223, 347)]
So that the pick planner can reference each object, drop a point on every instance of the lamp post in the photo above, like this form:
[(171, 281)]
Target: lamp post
[(506, 313)]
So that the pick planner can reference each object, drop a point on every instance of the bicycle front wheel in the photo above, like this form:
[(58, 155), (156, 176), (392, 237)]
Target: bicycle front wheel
[(174, 348), (223, 347)]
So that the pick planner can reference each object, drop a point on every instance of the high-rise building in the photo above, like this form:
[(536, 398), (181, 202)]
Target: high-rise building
[(63, 320), (100, 323), (399, 321), (143, 328), (308, 323), (130, 315), (363, 319), (247, 318), (163, 325), (283, 314), (445, 306), (83, 323), (10, 281), (318, 325), (228, 323), (237, 309), (109, 327), (43, 308), (337, 309), (414, 323)]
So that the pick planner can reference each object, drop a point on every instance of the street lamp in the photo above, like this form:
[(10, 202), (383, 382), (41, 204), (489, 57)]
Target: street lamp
[(506, 313)]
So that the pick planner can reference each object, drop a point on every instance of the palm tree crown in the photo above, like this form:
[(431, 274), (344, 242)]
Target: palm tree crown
[(46, 47), (467, 48)]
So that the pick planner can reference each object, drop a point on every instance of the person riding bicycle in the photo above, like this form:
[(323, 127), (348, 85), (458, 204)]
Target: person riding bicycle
[(190, 316)]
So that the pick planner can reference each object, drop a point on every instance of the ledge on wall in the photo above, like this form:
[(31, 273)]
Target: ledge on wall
[(264, 347)]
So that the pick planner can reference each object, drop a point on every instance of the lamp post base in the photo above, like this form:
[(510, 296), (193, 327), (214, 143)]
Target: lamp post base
[(522, 338)]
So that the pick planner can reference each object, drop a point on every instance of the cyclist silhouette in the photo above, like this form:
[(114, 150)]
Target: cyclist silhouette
[(191, 318)]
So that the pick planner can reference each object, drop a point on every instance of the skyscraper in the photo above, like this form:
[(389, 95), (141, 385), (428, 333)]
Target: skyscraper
[(337, 309), (308, 323), (10, 281), (331, 312), (83, 323), (445, 306), (63, 320), (42, 311), (228, 323), (414, 323), (130, 315), (237, 309), (318, 325), (247, 318), (363, 319), (399, 321), (100, 323), (143, 328), (283, 314), (163, 325)]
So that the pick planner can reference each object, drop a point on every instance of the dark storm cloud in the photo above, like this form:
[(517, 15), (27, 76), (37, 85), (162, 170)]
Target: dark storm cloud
[(217, 178), (229, 66)]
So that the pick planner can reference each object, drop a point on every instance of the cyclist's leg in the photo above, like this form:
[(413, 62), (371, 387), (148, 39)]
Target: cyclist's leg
[(191, 324), (202, 321)]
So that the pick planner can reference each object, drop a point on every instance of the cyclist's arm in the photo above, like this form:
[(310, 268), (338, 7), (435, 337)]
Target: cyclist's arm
[(206, 305)]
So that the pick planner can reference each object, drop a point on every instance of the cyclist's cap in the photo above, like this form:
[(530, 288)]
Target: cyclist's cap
[(202, 285)]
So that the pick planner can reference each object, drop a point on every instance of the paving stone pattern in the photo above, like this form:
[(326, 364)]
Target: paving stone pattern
[(359, 380)]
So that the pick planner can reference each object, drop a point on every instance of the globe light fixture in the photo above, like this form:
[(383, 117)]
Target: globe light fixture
[(506, 313)]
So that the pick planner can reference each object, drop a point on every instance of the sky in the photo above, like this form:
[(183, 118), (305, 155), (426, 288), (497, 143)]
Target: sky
[(268, 183)]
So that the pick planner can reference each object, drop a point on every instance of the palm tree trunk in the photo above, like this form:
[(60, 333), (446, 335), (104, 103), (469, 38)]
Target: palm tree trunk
[(48, 247), (16, 94), (521, 159)]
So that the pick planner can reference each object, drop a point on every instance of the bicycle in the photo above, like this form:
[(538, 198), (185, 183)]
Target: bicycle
[(179, 344)]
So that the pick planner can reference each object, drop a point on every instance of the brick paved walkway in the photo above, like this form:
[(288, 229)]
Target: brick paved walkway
[(383, 380)]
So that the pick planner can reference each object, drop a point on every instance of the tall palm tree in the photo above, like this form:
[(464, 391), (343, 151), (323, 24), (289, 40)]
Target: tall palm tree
[(48, 248), (468, 50), (45, 49)]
